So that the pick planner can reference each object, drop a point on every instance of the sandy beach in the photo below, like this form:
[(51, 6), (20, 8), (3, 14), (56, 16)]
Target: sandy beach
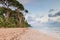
[(23, 34)]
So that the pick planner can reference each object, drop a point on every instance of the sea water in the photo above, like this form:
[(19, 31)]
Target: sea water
[(52, 31)]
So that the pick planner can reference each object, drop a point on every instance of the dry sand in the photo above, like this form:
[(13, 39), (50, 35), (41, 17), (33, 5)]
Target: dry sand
[(23, 34)]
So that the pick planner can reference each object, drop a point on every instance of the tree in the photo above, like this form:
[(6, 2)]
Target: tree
[(17, 12)]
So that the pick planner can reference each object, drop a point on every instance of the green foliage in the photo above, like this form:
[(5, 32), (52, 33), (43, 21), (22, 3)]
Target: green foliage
[(16, 4), (2, 10), (12, 22), (12, 18)]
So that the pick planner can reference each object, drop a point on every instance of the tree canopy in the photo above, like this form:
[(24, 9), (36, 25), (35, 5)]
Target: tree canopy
[(12, 18)]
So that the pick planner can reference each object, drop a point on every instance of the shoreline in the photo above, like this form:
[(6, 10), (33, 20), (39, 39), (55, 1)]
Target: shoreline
[(50, 33), (23, 34)]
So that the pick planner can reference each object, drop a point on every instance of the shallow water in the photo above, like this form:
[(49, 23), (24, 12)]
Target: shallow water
[(53, 31)]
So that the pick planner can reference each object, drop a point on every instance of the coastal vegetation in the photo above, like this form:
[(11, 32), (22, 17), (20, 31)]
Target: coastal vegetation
[(12, 18)]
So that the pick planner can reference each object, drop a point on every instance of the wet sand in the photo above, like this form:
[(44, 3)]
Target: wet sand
[(23, 34)]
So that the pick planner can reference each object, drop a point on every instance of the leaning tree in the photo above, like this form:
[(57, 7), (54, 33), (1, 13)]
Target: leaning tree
[(17, 13)]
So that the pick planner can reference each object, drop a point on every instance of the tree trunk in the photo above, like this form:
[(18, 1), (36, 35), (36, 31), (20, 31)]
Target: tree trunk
[(19, 18), (7, 15)]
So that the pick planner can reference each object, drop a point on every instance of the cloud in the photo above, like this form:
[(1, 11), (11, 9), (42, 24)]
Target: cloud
[(51, 19), (43, 19), (56, 14), (24, 1), (31, 18), (38, 19), (51, 10), (57, 19)]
